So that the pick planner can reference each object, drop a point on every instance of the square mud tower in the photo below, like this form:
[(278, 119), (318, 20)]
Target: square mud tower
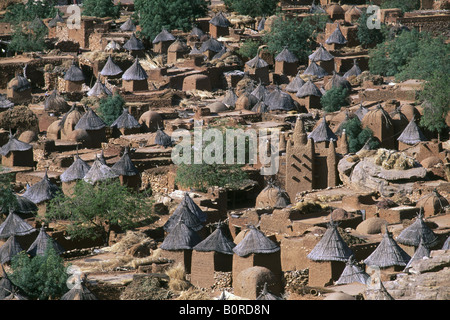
[(197, 82), (206, 264)]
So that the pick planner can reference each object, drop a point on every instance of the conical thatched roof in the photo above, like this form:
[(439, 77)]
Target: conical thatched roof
[(128, 25), (421, 252), (261, 24), (77, 170), (255, 242), (321, 54), (260, 92), (14, 144), (286, 56), (322, 132), (19, 83), (196, 31), (217, 241), (135, 72), (211, 45), (90, 121), (295, 84), (354, 71), (331, 247), (42, 191), (195, 50), (99, 89), (6, 286), (163, 139), (230, 98), (110, 68), (134, 44), (337, 81), (125, 167), (315, 70), (53, 23), (219, 20), (279, 100), (260, 107), (361, 112), (308, 89), (163, 36), (446, 245), (126, 120), (352, 273), (74, 73), (9, 249), (189, 212), (180, 237), (412, 133), (416, 232), (5, 103), (14, 225), (56, 103), (266, 295), (42, 243), (99, 172), (219, 54), (336, 37), (79, 292), (25, 206), (257, 62), (388, 253)]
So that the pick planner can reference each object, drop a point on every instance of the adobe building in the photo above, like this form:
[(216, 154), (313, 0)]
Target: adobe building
[(311, 160), (68, 123), (323, 59), (258, 69), (19, 90), (126, 170), (197, 82), (286, 63), (135, 46), (162, 42), (176, 50), (352, 15), (135, 78), (74, 173), (336, 40), (74, 79), (210, 48), (94, 127), (335, 12), (218, 26), (380, 122), (41, 193), (125, 124), (16, 153), (310, 95)]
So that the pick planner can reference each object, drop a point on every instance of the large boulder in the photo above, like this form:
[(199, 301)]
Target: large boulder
[(250, 282), (371, 226)]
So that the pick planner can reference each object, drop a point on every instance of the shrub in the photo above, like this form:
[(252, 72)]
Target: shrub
[(334, 99), (110, 108), (249, 48), (100, 8)]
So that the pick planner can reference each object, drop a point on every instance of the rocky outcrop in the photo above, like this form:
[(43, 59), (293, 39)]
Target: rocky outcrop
[(387, 172), (428, 279)]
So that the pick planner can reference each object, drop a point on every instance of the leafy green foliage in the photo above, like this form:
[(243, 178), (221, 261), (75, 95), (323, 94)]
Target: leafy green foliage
[(436, 93), (100, 8), (249, 48), (294, 34), (41, 277), (93, 209), (404, 5), (154, 15), (357, 136), (111, 108), (253, 8), (369, 37), (334, 99), (26, 40), (20, 12), (7, 197)]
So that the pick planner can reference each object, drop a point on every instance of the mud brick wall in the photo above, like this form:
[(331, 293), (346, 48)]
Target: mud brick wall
[(322, 273), (202, 269), (157, 179), (383, 95), (294, 251), (270, 261), (436, 24)]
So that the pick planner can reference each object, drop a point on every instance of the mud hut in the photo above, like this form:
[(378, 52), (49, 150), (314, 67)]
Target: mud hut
[(16, 153), (15, 226), (99, 172), (213, 254), (56, 104), (211, 47), (432, 203), (286, 63), (94, 126), (258, 69), (125, 124), (323, 59), (256, 249), (128, 26), (272, 196), (5, 104), (18, 90), (260, 107), (352, 273), (126, 170), (76, 172), (188, 211), (411, 135), (416, 232), (278, 100), (24, 207), (110, 69), (388, 254), (134, 46), (162, 41), (178, 244), (260, 92), (295, 84), (336, 40), (322, 133), (354, 71), (177, 50), (42, 192), (327, 257), (74, 79), (311, 94), (9, 249), (135, 78), (380, 122), (68, 122), (315, 70), (218, 26), (99, 90)]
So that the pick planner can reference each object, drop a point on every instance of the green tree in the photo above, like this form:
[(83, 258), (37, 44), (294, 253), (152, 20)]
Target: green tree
[(7, 197), (154, 15), (436, 93), (26, 40), (100, 8), (111, 108), (369, 37), (19, 12), (40, 277), (334, 99), (298, 36), (357, 136), (253, 8), (93, 209), (249, 48), (404, 5)]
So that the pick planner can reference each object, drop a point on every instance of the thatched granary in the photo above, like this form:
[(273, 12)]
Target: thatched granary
[(311, 93), (110, 69), (354, 71), (151, 121), (99, 172), (295, 84), (322, 133), (128, 26), (24, 206), (388, 254), (135, 78), (258, 69), (128, 174), (189, 212), (336, 39), (197, 82), (134, 46), (315, 70), (260, 91), (5, 104), (162, 139), (218, 25), (67, 123), (14, 226), (418, 232), (286, 62), (352, 273), (42, 192), (76, 172), (125, 124), (19, 90), (94, 126), (99, 90), (162, 41), (411, 135), (278, 100), (322, 59), (421, 252), (260, 107), (17, 153), (214, 253), (56, 104), (9, 249), (272, 196), (42, 243), (211, 47), (432, 203), (177, 50), (337, 81), (74, 79), (79, 292)]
